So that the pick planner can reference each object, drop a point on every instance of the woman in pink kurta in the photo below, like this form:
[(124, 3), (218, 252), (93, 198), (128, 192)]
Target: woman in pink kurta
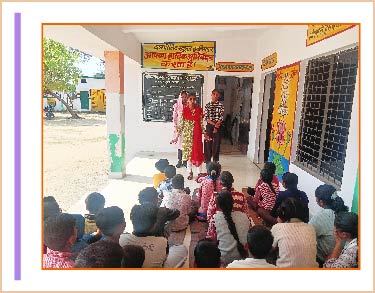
[(177, 114)]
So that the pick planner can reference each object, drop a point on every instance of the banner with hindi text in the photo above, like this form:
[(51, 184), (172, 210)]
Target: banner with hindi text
[(234, 67), (318, 32), (282, 124), (183, 56)]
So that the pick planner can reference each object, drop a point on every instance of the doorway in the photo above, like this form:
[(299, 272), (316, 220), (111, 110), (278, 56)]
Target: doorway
[(266, 117), (236, 96)]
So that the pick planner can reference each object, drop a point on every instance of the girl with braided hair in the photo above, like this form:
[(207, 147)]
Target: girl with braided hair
[(209, 185), (231, 228), (323, 221), (265, 193), (239, 202)]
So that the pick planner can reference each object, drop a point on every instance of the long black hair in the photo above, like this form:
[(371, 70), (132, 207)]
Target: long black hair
[(267, 176), (327, 193), (213, 169), (224, 201)]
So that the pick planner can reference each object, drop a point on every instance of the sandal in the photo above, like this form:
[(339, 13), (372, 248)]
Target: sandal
[(190, 177)]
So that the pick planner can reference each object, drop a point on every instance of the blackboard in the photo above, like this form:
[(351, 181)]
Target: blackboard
[(161, 90)]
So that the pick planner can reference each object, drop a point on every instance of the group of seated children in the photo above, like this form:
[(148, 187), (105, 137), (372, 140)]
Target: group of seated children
[(288, 239)]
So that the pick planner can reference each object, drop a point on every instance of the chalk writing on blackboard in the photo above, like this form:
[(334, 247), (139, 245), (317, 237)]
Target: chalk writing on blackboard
[(161, 90)]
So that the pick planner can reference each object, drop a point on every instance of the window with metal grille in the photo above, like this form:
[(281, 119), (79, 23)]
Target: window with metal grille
[(326, 111)]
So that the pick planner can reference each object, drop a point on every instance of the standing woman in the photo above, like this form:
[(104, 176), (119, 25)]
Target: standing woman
[(191, 129), (177, 114)]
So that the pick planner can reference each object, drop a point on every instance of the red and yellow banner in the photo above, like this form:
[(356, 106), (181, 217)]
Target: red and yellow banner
[(318, 32), (269, 61), (234, 67), (286, 87), (184, 56)]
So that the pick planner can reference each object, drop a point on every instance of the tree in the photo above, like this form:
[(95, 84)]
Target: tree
[(60, 74)]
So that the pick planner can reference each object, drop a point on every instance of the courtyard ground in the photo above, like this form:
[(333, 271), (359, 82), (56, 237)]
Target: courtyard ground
[(75, 157)]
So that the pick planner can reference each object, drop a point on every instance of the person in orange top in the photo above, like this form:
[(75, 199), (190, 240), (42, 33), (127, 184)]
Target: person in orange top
[(159, 177)]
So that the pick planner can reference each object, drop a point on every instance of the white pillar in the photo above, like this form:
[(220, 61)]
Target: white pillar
[(115, 112)]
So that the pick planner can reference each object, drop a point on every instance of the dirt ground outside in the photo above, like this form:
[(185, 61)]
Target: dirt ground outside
[(76, 158)]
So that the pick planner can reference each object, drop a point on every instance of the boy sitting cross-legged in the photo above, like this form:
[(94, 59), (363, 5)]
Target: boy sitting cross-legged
[(180, 200), (111, 223), (259, 242), (101, 254), (149, 195), (60, 234)]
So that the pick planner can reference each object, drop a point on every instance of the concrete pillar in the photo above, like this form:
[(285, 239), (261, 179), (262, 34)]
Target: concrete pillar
[(115, 111)]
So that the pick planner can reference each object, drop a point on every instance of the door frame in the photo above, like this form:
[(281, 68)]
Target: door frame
[(263, 108)]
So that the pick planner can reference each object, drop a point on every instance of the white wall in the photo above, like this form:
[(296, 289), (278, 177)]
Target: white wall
[(155, 136), (92, 83), (290, 45)]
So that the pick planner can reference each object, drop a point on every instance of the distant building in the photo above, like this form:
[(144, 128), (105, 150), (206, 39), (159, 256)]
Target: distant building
[(90, 95)]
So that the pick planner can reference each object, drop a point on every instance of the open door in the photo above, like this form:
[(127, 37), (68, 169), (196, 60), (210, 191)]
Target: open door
[(236, 96)]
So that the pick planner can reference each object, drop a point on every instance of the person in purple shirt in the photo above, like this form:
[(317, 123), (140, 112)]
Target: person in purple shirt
[(290, 182)]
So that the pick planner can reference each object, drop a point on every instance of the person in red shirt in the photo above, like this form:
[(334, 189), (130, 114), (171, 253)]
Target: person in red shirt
[(60, 234), (275, 181), (265, 196), (209, 185)]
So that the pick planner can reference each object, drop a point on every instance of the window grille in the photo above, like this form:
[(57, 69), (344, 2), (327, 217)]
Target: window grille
[(326, 111)]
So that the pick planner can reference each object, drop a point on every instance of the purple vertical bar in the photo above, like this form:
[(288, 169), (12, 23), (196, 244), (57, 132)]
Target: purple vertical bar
[(17, 146)]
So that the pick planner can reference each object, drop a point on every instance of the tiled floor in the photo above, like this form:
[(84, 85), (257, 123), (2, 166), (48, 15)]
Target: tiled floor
[(124, 192)]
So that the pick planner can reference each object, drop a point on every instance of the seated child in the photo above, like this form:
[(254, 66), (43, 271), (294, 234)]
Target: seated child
[(208, 186), (265, 196), (101, 254), (290, 182), (239, 202), (259, 244), (149, 195), (157, 253), (295, 239), (346, 228), (50, 207), (275, 181), (159, 177), (207, 254), (324, 221), (166, 185), (111, 223), (134, 256), (231, 228), (60, 234), (180, 200), (94, 203)]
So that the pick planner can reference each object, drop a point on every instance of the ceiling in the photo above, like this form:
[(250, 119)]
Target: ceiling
[(190, 32), (95, 39)]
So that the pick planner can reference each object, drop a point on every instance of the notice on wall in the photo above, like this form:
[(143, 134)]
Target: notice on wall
[(317, 33), (269, 61), (282, 124), (234, 67), (183, 56)]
